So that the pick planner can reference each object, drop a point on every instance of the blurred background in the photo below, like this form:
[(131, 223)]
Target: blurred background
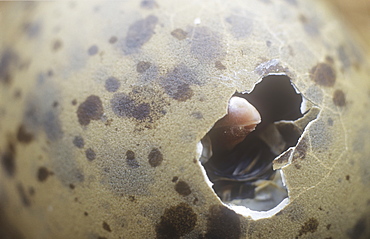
[(355, 14)]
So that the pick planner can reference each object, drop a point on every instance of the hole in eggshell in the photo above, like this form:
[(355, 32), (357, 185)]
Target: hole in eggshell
[(245, 176)]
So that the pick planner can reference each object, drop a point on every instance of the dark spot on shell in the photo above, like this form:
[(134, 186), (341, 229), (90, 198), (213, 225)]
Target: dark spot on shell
[(310, 25), (182, 188), (268, 43), (297, 166), (323, 74), (155, 157), (132, 198), (223, 223), (23, 195), (309, 226), (55, 104), (206, 44), (125, 106), (52, 125), (106, 227), (219, 65), (142, 66), (32, 29), (177, 83), (176, 222), (329, 60), (343, 57), (195, 201), (197, 115), (347, 177), (328, 226), (339, 98), (90, 154), (57, 44), (112, 84), (7, 61), (74, 102), (113, 40), (130, 158), (179, 34), (17, 94), (140, 32), (174, 179), (92, 50), (241, 27), (148, 4), (8, 160), (109, 122), (86, 214), (43, 174), (330, 122), (79, 142), (358, 230), (31, 191), (90, 109), (72, 186), (23, 135)]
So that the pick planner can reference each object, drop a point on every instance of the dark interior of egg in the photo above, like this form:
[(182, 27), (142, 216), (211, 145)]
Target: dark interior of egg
[(244, 175)]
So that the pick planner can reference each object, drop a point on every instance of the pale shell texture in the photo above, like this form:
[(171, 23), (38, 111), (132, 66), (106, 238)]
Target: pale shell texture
[(102, 106)]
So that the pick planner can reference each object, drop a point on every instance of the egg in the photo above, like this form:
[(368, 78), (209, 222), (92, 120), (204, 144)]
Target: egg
[(182, 119)]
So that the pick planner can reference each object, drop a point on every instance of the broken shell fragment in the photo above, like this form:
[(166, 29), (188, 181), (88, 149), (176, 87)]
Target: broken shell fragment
[(241, 119)]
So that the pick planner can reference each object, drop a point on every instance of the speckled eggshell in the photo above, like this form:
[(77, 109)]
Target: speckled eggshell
[(102, 105)]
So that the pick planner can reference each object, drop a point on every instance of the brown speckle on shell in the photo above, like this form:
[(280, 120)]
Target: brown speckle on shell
[(93, 50), (148, 4), (90, 154), (339, 98), (177, 83), (359, 229), (8, 160), (142, 66), (106, 227), (183, 188), (124, 106), (8, 59), (219, 65), (23, 195), (155, 157), (43, 173), (179, 34), (79, 142), (310, 25), (223, 223), (90, 109), (112, 84), (130, 159), (140, 32), (113, 40), (23, 135), (309, 226), (176, 222), (32, 29), (323, 74), (57, 44)]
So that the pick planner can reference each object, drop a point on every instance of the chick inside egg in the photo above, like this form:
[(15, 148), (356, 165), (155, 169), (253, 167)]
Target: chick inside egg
[(238, 153)]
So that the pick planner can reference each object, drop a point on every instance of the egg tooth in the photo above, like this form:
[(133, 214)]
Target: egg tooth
[(241, 119)]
